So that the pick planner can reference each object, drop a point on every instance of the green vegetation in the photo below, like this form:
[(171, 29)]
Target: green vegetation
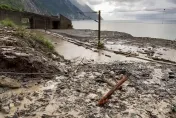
[(23, 33), (41, 39), (14, 5), (26, 34), (100, 45), (7, 7), (8, 23)]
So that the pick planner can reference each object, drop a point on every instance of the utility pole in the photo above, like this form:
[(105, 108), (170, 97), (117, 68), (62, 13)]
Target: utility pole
[(163, 16), (99, 28)]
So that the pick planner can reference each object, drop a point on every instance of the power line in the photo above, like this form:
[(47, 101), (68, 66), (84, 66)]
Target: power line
[(148, 10)]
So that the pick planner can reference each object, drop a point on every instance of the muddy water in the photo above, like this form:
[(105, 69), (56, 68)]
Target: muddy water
[(164, 53), (71, 51)]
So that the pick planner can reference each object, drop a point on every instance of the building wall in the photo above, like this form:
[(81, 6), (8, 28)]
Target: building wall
[(37, 21), (65, 23), (15, 16)]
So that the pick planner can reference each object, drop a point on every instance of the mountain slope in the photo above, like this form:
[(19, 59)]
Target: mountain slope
[(85, 8), (69, 8)]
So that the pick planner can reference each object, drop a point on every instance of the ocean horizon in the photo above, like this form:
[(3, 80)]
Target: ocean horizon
[(165, 29)]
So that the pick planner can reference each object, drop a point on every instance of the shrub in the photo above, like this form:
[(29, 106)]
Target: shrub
[(23, 33), (100, 45), (8, 23), (7, 7), (41, 39)]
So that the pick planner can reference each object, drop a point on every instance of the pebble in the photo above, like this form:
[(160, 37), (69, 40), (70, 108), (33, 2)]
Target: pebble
[(112, 73), (17, 103), (171, 76), (5, 109)]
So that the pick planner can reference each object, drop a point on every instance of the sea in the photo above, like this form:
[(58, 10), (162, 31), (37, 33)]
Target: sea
[(154, 29)]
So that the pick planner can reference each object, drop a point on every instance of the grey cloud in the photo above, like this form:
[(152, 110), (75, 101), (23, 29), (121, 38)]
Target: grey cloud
[(139, 9), (95, 2), (173, 1)]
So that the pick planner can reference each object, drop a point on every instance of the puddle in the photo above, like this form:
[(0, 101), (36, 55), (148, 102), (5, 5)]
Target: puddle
[(118, 47), (168, 54), (71, 51)]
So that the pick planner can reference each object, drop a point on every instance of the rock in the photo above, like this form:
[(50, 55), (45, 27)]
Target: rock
[(48, 116), (92, 96), (112, 73), (29, 98), (171, 76), (171, 73), (107, 55), (5, 109), (11, 105), (97, 74), (17, 103), (8, 82), (20, 97), (36, 94)]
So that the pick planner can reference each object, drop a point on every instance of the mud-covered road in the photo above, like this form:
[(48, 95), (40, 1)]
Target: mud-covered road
[(82, 79)]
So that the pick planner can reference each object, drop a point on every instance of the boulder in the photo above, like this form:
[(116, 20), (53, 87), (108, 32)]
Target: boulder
[(5, 109), (8, 82)]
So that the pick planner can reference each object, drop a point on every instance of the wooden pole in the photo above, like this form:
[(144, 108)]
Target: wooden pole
[(99, 28), (105, 98)]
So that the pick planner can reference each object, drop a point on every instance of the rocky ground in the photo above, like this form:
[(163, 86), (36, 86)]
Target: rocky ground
[(73, 89)]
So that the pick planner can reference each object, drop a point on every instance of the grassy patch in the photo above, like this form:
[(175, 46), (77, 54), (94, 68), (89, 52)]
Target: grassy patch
[(8, 23), (100, 45), (7, 7), (23, 33), (41, 39)]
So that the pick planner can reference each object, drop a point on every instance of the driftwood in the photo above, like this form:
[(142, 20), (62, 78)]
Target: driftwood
[(104, 99)]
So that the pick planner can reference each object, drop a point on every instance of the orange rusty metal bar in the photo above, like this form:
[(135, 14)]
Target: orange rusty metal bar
[(116, 87)]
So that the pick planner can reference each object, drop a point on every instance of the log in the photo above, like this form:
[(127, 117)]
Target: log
[(105, 98)]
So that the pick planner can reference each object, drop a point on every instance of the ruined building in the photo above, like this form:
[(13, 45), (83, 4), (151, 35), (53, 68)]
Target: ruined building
[(36, 21)]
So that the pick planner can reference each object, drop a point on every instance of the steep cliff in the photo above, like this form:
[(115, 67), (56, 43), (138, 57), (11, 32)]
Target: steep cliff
[(69, 8)]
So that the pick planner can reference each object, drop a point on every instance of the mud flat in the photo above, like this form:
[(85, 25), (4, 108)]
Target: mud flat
[(72, 88), (123, 43)]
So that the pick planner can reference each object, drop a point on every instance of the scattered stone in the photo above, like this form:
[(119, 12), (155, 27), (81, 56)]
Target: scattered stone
[(36, 94), (107, 55), (8, 82), (112, 73), (17, 103), (21, 97), (171, 76), (48, 116), (92, 96), (97, 74), (29, 98), (5, 109), (11, 105)]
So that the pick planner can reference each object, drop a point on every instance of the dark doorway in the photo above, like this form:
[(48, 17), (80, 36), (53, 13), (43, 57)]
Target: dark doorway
[(56, 24), (31, 22)]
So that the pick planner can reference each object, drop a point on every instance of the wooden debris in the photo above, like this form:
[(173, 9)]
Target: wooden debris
[(116, 87)]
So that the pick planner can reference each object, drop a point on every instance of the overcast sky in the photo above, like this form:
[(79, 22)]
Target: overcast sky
[(134, 9)]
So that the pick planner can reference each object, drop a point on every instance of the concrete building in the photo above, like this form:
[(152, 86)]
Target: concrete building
[(36, 21)]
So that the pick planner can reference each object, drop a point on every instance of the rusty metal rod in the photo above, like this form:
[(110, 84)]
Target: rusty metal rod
[(116, 87)]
